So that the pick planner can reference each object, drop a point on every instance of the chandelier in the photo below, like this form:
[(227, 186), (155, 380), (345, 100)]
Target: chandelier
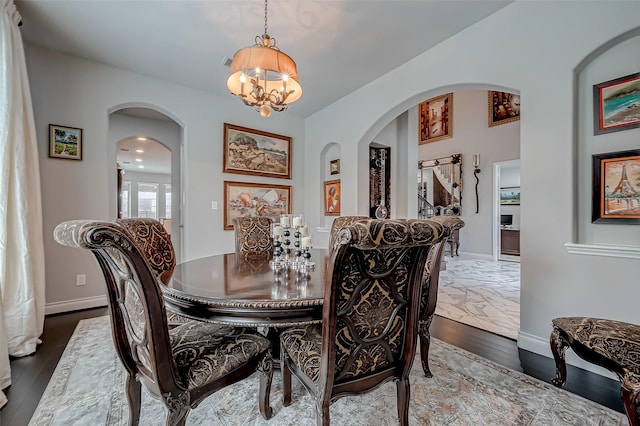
[(264, 77)]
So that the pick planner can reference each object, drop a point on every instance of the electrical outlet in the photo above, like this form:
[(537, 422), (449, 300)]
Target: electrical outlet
[(214, 205), (81, 279)]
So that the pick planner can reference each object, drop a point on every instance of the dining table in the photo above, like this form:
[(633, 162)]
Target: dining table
[(240, 290)]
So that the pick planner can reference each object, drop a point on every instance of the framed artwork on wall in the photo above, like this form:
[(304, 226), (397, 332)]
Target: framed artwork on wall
[(510, 195), (616, 187), (616, 104), (334, 167), (503, 108), (65, 142), (243, 199), (435, 119), (254, 152), (332, 197)]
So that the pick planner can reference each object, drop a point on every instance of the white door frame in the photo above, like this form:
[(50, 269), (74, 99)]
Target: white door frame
[(497, 167)]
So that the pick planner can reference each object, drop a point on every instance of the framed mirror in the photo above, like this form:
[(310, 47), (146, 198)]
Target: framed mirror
[(440, 186)]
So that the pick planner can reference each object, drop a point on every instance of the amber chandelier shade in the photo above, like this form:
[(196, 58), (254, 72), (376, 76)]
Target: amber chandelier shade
[(263, 76)]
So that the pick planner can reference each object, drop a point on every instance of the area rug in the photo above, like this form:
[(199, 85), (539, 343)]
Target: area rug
[(482, 293), (87, 388)]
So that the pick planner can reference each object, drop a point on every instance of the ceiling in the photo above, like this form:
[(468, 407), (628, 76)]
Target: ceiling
[(339, 45)]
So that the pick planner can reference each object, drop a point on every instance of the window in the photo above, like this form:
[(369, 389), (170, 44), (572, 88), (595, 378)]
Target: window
[(167, 200), (125, 199), (148, 200)]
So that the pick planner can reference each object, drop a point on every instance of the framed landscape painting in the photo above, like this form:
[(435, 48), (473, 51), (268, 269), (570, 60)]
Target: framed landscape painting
[(510, 195), (243, 199), (616, 187), (65, 142), (435, 119), (254, 152), (503, 108), (616, 104)]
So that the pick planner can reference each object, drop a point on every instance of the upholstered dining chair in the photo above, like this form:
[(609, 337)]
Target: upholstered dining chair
[(179, 366), (370, 314), (430, 280), (154, 242), (339, 223), (253, 236)]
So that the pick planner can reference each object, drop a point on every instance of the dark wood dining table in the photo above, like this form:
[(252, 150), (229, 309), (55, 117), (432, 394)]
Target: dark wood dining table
[(232, 289)]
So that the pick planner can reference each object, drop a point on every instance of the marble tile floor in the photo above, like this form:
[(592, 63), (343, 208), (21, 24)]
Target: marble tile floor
[(481, 292)]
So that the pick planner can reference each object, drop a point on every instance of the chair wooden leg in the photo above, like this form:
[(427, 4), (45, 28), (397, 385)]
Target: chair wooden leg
[(322, 413), (630, 393), (177, 418), (404, 394), (286, 379), (134, 397), (425, 343), (266, 375), (558, 349)]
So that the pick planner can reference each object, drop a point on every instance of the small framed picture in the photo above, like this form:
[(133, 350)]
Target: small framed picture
[(615, 198), (616, 104), (332, 197), (334, 167), (435, 119), (65, 142), (503, 108), (510, 195)]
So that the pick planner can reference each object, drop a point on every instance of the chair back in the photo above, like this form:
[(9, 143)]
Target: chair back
[(136, 305), (154, 241), (339, 223), (372, 297), (253, 236)]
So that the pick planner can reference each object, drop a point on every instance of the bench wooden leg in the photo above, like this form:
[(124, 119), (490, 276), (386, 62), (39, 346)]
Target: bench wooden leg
[(630, 393), (559, 349)]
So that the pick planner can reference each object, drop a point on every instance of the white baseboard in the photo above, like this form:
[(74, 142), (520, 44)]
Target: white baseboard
[(541, 346), (75, 305)]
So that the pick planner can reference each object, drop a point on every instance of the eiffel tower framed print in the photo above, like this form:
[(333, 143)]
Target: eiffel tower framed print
[(616, 187)]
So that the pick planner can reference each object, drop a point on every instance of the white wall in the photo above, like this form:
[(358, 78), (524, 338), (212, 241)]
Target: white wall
[(545, 43), (79, 93)]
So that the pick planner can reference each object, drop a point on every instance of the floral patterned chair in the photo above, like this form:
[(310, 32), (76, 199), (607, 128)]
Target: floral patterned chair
[(154, 242), (179, 366), (339, 223), (371, 302), (614, 345), (430, 287), (253, 236)]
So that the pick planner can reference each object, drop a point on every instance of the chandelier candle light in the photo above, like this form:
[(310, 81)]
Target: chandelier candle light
[(264, 77)]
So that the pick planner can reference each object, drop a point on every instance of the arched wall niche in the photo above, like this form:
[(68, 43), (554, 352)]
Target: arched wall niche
[(609, 61), (330, 152)]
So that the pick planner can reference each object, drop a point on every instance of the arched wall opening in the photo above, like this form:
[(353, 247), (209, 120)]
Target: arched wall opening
[(141, 120)]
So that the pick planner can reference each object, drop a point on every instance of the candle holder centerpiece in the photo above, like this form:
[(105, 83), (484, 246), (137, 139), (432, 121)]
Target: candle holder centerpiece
[(284, 256)]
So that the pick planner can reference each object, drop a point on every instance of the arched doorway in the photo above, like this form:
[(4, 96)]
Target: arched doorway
[(147, 146)]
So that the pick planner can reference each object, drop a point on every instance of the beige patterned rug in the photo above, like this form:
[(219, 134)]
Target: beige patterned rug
[(87, 388)]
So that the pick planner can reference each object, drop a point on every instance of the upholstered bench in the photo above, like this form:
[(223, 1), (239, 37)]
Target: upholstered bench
[(614, 345)]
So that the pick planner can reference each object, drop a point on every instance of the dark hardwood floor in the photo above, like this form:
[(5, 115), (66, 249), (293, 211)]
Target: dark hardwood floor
[(31, 374)]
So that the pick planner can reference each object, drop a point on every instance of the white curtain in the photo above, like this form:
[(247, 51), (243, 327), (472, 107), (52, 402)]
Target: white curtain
[(21, 243)]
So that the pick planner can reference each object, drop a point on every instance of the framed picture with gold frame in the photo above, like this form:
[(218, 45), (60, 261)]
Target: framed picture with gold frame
[(503, 108), (615, 178), (435, 119), (243, 199), (334, 167), (254, 152), (332, 197)]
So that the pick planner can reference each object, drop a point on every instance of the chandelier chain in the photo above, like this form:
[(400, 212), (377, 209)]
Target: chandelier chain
[(265, 16)]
